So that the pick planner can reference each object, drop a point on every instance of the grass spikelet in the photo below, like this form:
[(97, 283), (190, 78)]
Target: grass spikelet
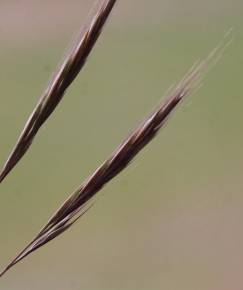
[(78, 203), (62, 79)]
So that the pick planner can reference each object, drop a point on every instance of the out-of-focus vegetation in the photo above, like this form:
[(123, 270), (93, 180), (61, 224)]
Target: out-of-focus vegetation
[(172, 220)]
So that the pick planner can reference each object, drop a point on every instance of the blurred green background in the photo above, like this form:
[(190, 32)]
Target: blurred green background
[(173, 219)]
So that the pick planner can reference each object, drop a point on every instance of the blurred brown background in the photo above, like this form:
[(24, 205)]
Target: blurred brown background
[(173, 219)]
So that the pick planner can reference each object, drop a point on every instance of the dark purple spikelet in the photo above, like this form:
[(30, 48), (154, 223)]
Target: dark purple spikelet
[(62, 79)]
